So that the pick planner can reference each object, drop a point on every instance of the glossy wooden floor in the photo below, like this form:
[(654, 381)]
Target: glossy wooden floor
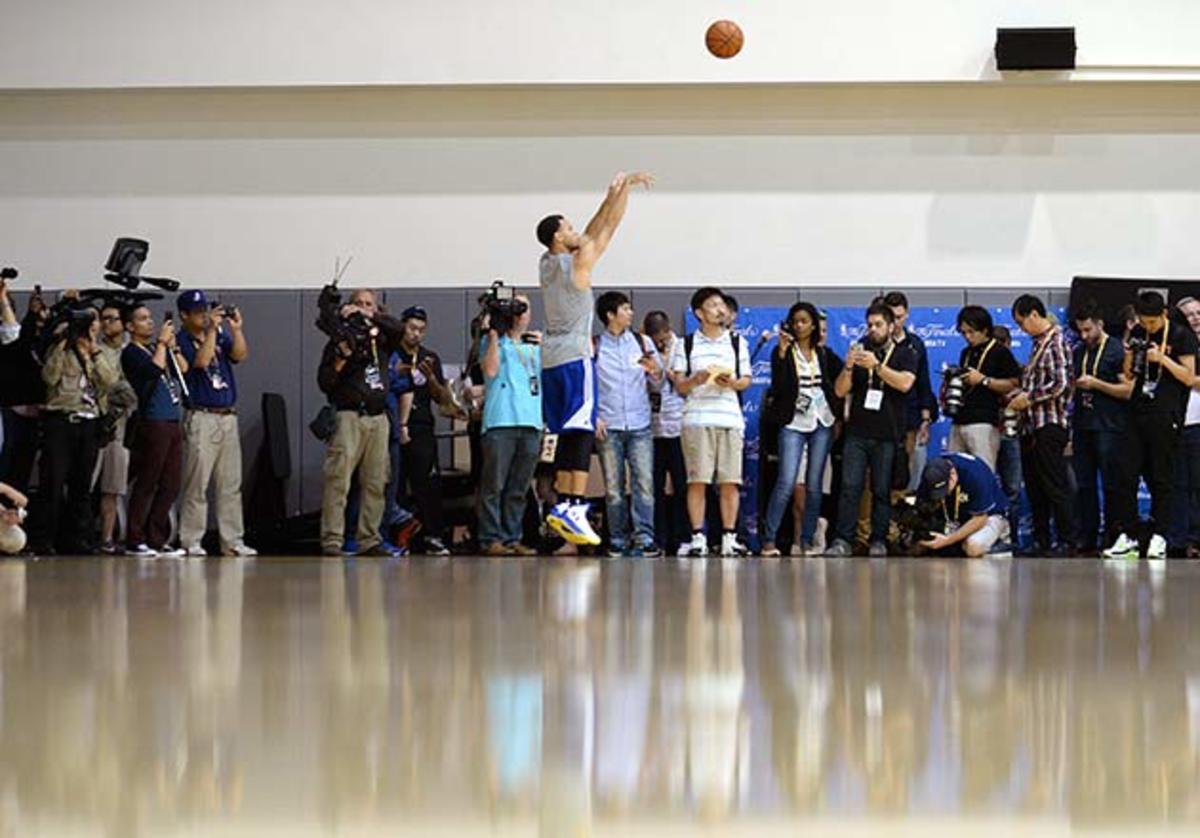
[(575, 697)]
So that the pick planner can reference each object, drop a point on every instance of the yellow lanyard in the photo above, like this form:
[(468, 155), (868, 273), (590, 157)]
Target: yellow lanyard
[(1162, 350), (957, 501), (983, 357), (1096, 359), (807, 371), (883, 363)]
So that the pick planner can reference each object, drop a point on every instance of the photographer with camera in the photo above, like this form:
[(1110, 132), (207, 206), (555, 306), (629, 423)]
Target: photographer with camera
[(1160, 360), (801, 402), (972, 501), (213, 342), (921, 405), (876, 378), (1098, 425), (1043, 398), (417, 424), (154, 368), (986, 372), (21, 393), (354, 375), (77, 377), (112, 467), (626, 364), (565, 275), (511, 360)]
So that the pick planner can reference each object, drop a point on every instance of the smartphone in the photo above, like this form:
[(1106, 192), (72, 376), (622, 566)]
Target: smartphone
[(168, 317)]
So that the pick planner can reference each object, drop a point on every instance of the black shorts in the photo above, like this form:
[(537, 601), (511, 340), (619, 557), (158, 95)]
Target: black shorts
[(574, 452)]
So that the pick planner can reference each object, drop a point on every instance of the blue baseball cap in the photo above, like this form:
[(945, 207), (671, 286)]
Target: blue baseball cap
[(191, 300)]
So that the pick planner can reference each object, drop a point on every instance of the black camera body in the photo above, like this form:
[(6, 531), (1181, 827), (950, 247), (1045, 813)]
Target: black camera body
[(502, 306), (355, 331), (919, 520), (1139, 348), (953, 388), (9, 273)]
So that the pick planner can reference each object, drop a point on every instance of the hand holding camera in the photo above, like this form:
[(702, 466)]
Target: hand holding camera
[(166, 334)]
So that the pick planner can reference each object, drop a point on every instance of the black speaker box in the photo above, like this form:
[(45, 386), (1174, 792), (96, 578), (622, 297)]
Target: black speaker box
[(1035, 49)]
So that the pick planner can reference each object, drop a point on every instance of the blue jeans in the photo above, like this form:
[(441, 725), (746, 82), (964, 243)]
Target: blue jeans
[(510, 456), (791, 449), (637, 449), (859, 454), (1185, 500), (1008, 465), (1096, 452)]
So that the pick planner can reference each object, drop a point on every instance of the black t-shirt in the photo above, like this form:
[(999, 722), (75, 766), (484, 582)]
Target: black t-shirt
[(888, 421), (980, 405), (1096, 411), (422, 409), (1170, 395)]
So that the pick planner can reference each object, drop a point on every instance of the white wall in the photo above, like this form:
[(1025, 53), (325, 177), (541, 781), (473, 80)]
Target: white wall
[(152, 43), (919, 185)]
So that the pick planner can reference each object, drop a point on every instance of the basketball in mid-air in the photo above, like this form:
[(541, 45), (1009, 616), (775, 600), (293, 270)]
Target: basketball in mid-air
[(724, 39)]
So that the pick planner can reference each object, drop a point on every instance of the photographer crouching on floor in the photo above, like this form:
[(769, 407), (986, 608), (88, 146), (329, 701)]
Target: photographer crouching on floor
[(354, 376), (511, 358), (972, 505)]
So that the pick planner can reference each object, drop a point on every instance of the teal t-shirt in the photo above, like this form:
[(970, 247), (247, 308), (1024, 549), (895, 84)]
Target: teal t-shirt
[(510, 401)]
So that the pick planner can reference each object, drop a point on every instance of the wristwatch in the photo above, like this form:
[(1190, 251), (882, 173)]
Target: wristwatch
[(987, 382)]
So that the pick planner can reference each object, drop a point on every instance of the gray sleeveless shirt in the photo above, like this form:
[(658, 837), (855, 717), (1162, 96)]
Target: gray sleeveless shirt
[(568, 312)]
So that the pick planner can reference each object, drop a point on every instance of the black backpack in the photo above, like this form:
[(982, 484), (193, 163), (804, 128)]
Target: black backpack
[(734, 338)]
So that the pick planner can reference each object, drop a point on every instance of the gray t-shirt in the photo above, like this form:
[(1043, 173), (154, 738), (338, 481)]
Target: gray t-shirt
[(568, 312)]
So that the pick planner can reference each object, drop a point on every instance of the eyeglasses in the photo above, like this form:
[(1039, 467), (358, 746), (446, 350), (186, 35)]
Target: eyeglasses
[(111, 318)]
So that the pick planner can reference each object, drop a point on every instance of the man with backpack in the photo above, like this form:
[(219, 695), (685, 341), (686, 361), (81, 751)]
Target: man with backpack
[(710, 368)]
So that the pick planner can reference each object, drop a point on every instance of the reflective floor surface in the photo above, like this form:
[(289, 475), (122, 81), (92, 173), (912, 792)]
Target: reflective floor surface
[(573, 698)]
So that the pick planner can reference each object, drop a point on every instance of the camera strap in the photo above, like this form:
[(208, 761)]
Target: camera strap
[(1162, 351), (1096, 358), (883, 363), (983, 357)]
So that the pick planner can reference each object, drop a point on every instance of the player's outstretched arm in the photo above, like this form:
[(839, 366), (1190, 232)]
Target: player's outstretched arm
[(604, 223)]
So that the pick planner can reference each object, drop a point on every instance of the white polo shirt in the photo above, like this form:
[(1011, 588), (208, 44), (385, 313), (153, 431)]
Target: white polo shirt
[(711, 406)]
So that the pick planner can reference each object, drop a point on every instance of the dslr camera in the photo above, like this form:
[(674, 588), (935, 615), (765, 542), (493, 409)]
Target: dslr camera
[(353, 330), (954, 385), (502, 307), (8, 273), (918, 520), (1139, 347)]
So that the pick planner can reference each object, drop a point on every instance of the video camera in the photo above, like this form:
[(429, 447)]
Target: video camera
[(502, 306), (354, 330), (124, 266)]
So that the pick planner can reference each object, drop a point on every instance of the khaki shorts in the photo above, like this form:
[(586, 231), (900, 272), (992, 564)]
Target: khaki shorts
[(112, 469), (713, 455)]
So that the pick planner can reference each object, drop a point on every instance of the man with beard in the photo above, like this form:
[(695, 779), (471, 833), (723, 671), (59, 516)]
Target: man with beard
[(876, 379)]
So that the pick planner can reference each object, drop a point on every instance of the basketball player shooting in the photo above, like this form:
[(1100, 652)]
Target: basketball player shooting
[(568, 380)]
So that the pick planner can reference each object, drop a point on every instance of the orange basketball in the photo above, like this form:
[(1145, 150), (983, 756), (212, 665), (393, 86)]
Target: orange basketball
[(724, 39)]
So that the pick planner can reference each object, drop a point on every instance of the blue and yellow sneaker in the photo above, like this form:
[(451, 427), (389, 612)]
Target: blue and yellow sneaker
[(571, 523)]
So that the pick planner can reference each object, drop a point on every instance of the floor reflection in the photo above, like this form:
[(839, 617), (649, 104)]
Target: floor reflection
[(578, 697)]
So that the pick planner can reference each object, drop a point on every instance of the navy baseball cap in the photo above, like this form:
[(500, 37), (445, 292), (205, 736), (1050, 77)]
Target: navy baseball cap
[(191, 300), (414, 313), (935, 480)]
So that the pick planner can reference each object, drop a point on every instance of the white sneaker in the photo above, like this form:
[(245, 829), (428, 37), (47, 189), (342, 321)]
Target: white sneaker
[(1158, 548), (819, 545), (142, 551), (1124, 548), (578, 514), (242, 551), (171, 553), (697, 548), (684, 550), (797, 551), (196, 552), (731, 547)]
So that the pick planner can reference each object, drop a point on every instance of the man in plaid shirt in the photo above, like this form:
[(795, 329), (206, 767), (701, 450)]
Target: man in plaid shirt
[(1043, 398)]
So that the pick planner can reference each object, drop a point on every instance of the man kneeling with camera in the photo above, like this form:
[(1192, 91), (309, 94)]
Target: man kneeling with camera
[(972, 499)]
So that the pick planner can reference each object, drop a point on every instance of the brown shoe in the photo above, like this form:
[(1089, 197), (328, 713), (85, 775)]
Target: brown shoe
[(497, 549), (520, 549)]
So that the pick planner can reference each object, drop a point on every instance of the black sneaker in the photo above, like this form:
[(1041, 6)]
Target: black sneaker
[(436, 547)]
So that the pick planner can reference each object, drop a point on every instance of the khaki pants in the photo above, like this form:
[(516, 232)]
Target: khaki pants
[(360, 442), (980, 440), (212, 453)]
